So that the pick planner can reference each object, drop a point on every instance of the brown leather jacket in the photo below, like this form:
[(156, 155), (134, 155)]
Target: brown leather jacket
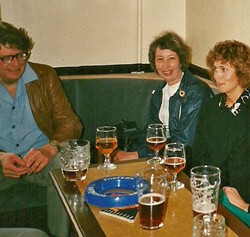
[(50, 106)]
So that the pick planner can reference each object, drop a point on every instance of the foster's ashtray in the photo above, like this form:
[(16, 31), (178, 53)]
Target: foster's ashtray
[(114, 191)]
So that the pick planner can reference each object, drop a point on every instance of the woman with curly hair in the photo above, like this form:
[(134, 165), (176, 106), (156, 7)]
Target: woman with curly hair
[(223, 130)]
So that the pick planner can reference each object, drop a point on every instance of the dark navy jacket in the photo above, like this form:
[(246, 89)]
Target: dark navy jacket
[(184, 107)]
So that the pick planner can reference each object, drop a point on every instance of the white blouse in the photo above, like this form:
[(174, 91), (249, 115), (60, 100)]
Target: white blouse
[(167, 92)]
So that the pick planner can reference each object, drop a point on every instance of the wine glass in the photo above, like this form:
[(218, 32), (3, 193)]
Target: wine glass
[(106, 143), (174, 161), (156, 140)]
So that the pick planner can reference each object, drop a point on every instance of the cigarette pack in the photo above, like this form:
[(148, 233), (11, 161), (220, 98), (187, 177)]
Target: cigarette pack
[(126, 214)]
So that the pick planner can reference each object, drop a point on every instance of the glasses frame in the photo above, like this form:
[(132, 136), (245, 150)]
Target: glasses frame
[(22, 56)]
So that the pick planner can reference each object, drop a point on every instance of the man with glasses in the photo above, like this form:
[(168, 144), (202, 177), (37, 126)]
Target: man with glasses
[(35, 116)]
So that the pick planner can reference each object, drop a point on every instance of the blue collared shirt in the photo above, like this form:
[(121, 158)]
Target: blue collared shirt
[(18, 129)]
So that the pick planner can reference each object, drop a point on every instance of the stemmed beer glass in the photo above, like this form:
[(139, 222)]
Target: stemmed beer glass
[(106, 143), (156, 140), (174, 161)]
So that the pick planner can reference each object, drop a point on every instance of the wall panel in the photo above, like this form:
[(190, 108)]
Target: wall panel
[(209, 21), (96, 32)]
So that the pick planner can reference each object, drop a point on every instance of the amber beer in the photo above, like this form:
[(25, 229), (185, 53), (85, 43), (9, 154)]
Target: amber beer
[(156, 143), (106, 145), (74, 175), (151, 210), (174, 165)]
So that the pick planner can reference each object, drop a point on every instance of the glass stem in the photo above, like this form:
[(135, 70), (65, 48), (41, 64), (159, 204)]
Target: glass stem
[(174, 181), (106, 161)]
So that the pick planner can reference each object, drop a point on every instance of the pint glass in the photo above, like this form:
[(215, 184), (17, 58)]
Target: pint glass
[(151, 187), (205, 183)]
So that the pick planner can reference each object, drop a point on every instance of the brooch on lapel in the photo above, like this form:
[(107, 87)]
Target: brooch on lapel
[(182, 93)]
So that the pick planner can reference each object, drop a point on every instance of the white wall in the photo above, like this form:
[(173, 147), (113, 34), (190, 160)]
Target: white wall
[(209, 21), (161, 15), (94, 32), (104, 32)]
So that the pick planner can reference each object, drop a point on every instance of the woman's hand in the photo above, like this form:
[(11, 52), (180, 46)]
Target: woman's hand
[(123, 156), (235, 198)]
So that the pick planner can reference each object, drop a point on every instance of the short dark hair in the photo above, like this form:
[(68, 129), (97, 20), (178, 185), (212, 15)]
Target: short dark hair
[(170, 40), (10, 36), (237, 54)]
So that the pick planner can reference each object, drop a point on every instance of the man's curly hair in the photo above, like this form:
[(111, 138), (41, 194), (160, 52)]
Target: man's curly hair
[(12, 37)]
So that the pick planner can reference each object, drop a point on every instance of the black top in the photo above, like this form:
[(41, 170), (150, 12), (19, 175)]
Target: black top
[(223, 139)]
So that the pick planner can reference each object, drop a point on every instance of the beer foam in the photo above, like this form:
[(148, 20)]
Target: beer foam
[(146, 199), (204, 209)]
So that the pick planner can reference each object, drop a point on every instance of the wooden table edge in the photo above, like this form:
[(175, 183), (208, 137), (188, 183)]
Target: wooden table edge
[(75, 223)]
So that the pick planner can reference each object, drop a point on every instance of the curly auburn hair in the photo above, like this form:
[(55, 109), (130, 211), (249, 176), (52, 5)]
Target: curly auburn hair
[(237, 54), (170, 40), (12, 37)]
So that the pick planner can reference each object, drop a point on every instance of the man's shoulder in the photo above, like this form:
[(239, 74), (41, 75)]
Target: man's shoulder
[(41, 68)]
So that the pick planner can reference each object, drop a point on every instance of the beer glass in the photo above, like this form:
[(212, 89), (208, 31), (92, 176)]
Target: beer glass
[(174, 161), (209, 225), (151, 187), (205, 183), (75, 159), (156, 140), (106, 143)]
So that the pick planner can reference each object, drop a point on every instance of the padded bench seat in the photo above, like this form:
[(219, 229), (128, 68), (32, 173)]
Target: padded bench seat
[(107, 99)]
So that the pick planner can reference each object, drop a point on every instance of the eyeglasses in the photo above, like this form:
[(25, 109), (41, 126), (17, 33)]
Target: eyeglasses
[(19, 56)]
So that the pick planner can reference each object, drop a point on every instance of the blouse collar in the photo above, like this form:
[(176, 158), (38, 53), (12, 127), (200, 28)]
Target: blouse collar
[(236, 107)]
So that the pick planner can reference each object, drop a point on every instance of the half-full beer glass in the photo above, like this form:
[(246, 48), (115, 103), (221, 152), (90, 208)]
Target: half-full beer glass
[(151, 187), (75, 159), (205, 183)]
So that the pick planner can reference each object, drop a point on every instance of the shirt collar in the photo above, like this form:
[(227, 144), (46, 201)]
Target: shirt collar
[(29, 74), (172, 88)]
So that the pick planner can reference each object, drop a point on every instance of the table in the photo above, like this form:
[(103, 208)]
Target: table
[(88, 221)]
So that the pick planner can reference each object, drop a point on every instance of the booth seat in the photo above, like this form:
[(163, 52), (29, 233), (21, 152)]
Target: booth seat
[(107, 99), (98, 100)]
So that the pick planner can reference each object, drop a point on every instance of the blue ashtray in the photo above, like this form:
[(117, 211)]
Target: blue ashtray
[(114, 191)]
